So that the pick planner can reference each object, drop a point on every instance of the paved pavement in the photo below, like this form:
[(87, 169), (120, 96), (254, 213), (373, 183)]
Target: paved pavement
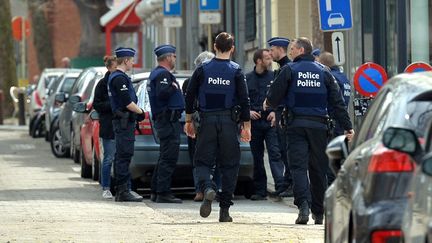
[(43, 199)]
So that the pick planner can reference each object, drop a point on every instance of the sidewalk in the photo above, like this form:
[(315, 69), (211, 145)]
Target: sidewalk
[(11, 124)]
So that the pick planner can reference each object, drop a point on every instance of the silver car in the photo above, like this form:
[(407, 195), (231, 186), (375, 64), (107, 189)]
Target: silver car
[(146, 152)]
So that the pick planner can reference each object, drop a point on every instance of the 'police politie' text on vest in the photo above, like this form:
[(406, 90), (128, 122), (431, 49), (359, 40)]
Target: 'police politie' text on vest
[(308, 79), (218, 81)]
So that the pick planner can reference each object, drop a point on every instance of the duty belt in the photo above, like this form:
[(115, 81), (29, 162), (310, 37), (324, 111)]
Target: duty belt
[(319, 119)]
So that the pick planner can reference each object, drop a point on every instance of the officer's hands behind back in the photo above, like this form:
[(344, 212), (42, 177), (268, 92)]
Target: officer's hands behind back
[(189, 129), (349, 134)]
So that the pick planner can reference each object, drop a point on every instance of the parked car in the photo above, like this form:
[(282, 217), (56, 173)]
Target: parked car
[(417, 220), (59, 96), (37, 98), (146, 152), (62, 84), (366, 201), (79, 93)]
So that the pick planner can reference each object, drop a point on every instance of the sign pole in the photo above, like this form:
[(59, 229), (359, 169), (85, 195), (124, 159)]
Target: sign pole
[(209, 38), (23, 49)]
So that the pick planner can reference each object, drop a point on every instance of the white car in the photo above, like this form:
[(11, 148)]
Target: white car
[(335, 19)]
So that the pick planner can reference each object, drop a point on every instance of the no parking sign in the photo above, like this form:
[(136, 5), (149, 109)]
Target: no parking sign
[(369, 78), (418, 67)]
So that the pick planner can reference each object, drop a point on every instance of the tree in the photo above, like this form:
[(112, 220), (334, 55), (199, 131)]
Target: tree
[(317, 34), (39, 11), (8, 76), (92, 39)]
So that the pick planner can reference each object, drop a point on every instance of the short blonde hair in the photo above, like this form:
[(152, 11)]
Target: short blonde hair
[(202, 57)]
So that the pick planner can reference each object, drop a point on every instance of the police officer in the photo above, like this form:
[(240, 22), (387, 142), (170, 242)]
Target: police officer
[(219, 85), (167, 104), (316, 53), (308, 89), (263, 127), (123, 104), (278, 51), (326, 58)]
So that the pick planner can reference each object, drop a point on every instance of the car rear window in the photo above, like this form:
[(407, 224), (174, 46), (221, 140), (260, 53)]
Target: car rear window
[(67, 85)]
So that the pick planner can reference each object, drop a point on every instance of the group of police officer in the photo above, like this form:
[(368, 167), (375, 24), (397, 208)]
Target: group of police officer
[(299, 98)]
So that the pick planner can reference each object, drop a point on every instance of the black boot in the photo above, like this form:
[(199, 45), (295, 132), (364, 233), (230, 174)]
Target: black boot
[(167, 198), (303, 215), (319, 218), (224, 215), (123, 195), (209, 196)]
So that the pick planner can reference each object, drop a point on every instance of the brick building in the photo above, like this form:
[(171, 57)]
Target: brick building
[(65, 28)]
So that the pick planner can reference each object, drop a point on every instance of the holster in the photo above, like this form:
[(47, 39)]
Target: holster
[(331, 124), (235, 113), (123, 117), (287, 117)]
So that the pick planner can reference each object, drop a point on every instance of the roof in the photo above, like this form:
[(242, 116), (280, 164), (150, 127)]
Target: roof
[(110, 15)]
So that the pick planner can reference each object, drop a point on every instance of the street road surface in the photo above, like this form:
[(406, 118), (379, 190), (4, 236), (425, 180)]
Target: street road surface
[(43, 199)]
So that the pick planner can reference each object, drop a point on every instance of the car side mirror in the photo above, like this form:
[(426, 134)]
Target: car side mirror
[(427, 164), (402, 140), (337, 152), (60, 97), (94, 115), (80, 107), (74, 99)]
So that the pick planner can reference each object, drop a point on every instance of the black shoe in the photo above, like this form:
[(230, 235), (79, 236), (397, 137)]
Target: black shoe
[(257, 197), (209, 196), (224, 215), (153, 197), (123, 195), (303, 215), (167, 198), (318, 218), (287, 193)]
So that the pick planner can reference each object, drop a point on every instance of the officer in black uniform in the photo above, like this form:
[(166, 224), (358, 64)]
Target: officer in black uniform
[(263, 127), (326, 58), (278, 51), (308, 89), (167, 104), (123, 104), (220, 87)]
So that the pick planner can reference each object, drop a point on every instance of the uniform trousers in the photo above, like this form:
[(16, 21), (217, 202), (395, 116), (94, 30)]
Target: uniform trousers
[(124, 139), (218, 138)]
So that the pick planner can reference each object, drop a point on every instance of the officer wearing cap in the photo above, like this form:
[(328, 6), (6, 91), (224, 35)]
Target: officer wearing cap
[(316, 53), (220, 88), (124, 106), (167, 104), (308, 89), (278, 51)]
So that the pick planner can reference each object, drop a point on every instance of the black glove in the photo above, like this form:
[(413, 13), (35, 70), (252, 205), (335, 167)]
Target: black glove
[(140, 117)]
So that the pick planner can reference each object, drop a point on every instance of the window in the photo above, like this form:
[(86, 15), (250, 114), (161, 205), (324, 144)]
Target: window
[(250, 27)]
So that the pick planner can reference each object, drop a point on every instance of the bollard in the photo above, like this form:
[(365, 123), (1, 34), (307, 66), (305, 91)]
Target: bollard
[(21, 108), (1, 106)]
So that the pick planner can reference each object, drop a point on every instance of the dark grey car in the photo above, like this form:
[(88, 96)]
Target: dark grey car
[(69, 138), (146, 152), (62, 84), (366, 201)]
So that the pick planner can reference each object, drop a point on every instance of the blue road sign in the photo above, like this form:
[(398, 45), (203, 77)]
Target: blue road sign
[(172, 7), (209, 5), (335, 14)]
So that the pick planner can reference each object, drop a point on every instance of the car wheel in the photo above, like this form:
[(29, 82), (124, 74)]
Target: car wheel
[(57, 147), (86, 170), (38, 127), (75, 154), (95, 167), (32, 121)]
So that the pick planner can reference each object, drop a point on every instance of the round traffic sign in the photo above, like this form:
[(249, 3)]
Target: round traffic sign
[(369, 78), (17, 27), (418, 67)]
